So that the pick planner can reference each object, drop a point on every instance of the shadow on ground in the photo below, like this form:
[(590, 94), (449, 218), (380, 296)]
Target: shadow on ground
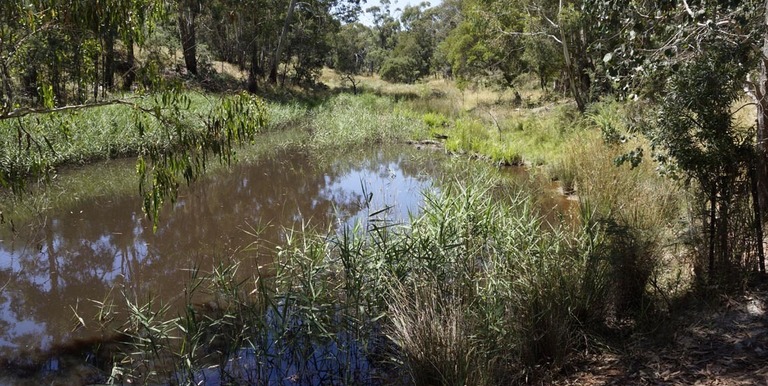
[(727, 345)]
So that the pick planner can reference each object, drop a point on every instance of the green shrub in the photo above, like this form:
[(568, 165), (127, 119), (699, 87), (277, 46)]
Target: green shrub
[(400, 69)]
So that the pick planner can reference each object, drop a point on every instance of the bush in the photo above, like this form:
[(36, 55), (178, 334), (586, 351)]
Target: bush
[(399, 69)]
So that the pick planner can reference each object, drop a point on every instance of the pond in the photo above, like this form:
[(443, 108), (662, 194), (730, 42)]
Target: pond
[(88, 245), (52, 266)]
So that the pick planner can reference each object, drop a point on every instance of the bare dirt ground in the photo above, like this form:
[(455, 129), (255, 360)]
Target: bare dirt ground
[(725, 343)]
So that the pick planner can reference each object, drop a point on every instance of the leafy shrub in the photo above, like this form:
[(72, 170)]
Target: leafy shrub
[(399, 69)]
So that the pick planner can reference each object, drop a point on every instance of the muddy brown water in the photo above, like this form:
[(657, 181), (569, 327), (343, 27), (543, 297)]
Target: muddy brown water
[(53, 268)]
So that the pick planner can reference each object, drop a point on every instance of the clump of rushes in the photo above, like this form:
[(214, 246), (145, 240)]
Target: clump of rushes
[(475, 290), (362, 120)]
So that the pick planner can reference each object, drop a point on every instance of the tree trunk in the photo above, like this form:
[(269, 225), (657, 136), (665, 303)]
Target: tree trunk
[(77, 57), (281, 43), (758, 224), (130, 75), (56, 79), (572, 79), (761, 145), (712, 230), (6, 92), (188, 39), (725, 214), (109, 61), (255, 71), (96, 81), (761, 93)]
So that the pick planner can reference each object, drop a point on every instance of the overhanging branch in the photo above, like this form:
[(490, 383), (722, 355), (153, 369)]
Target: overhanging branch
[(22, 112)]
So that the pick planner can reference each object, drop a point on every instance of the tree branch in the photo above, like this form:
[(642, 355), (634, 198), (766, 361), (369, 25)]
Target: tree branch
[(22, 112), (508, 33), (689, 10)]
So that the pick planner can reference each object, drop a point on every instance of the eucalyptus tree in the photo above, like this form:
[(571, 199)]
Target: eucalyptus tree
[(188, 11), (306, 26), (281, 41), (350, 51), (411, 57), (385, 25), (421, 31), (481, 45), (67, 42), (695, 60), (564, 38), (386, 28), (447, 16), (64, 29)]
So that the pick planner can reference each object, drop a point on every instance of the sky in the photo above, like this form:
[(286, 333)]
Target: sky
[(366, 18)]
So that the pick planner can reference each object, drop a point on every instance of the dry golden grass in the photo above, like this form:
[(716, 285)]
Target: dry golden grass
[(442, 95), (745, 113), (230, 70)]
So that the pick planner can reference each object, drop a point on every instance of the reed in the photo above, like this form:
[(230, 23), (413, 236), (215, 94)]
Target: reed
[(475, 290)]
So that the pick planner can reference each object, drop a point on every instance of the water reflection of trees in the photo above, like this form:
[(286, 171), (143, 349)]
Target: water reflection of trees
[(84, 250)]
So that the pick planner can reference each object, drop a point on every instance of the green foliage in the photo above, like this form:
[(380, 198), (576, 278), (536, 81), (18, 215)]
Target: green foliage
[(696, 135), (400, 69), (413, 57), (68, 49), (165, 130), (351, 47), (695, 131), (232, 121), (476, 49)]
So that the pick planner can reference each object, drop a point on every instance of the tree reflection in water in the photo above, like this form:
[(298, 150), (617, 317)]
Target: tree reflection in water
[(94, 245)]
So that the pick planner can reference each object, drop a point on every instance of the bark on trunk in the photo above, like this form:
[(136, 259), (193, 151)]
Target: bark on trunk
[(572, 79), (188, 38), (6, 93), (130, 75), (758, 225), (77, 57), (712, 230), (281, 43), (761, 146), (762, 120), (109, 61), (255, 71)]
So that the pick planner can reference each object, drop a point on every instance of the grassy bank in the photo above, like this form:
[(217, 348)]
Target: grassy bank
[(32, 144)]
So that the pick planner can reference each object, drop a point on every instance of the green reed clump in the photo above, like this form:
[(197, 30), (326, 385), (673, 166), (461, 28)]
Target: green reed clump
[(498, 281), (476, 289), (639, 213), (366, 119)]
